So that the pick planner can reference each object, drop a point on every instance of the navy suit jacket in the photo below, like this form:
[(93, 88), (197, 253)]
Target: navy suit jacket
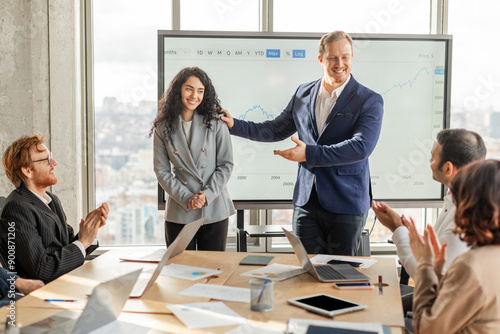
[(42, 238), (338, 157)]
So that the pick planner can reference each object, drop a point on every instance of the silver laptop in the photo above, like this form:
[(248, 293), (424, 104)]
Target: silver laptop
[(178, 246), (103, 307), (157, 255), (324, 273)]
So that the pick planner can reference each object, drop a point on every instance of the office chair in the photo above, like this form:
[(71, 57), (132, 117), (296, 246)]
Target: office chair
[(404, 277)]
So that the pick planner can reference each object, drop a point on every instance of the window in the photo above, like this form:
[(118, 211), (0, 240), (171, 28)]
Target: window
[(125, 95), (221, 15), (125, 104), (354, 16), (125, 89), (476, 78)]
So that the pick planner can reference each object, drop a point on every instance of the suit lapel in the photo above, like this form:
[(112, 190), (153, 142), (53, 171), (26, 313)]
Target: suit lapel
[(180, 145), (312, 111), (35, 201), (342, 101), (56, 205)]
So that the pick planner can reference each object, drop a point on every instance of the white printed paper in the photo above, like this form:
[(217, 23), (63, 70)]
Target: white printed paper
[(220, 292), (202, 315), (254, 329), (275, 272), (188, 272)]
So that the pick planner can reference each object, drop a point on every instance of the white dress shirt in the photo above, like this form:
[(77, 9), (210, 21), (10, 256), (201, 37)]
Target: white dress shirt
[(325, 103), (444, 227)]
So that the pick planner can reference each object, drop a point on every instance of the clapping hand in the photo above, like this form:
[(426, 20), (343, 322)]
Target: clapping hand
[(426, 247)]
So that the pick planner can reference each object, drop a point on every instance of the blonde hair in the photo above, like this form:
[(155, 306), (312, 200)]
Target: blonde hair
[(331, 37)]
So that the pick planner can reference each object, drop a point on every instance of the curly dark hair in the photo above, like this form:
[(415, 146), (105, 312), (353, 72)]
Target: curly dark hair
[(476, 192), (170, 105)]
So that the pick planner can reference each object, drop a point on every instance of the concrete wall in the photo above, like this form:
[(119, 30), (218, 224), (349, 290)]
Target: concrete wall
[(40, 89)]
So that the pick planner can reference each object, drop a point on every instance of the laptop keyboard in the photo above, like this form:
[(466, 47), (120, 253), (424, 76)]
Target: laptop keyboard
[(328, 273), (155, 256)]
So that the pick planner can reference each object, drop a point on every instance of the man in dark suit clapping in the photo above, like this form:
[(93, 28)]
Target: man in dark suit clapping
[(35, 239)]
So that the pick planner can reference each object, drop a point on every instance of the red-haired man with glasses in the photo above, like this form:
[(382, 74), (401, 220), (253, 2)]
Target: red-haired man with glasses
[(33, 220)]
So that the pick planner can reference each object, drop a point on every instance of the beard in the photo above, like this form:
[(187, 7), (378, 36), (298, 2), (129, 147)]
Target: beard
[(45, 180)]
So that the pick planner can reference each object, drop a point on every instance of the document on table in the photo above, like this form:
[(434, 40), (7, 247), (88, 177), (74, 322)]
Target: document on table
[(254, 329), (125, 327), (202, 315), (188, 272), (275, 272), (323, 259), (301, 326), (220, 292)]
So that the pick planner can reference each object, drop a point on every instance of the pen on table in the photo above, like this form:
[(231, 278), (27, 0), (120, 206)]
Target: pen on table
[(321, 314), (210, 277), (61, 300), (380, 285), (262, 291)]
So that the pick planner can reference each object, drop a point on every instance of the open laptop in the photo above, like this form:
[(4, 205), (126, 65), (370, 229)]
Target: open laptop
[(178, 246), (103, 307), (157, 256), (324, 273)]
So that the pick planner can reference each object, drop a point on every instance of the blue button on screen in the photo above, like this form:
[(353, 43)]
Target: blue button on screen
[(272, 53), (299, 53)]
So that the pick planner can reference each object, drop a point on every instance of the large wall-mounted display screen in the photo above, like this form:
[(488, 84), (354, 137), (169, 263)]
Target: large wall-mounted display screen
[(255, 76)]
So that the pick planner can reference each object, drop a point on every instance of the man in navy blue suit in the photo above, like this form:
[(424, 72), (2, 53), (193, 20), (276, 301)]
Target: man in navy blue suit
[(338, 123)]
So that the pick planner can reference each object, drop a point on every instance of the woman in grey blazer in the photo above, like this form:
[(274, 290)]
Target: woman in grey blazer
[(193, 159)]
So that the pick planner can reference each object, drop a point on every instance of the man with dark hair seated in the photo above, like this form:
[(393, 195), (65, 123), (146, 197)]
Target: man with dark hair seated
[(453, 150)]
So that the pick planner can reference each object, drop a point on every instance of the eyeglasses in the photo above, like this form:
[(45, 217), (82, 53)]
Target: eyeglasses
[(49, 159)]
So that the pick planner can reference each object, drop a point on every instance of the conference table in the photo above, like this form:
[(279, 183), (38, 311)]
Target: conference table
[(151, 309)]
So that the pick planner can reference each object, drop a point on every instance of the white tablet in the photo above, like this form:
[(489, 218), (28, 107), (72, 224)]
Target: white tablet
[(325, 304)]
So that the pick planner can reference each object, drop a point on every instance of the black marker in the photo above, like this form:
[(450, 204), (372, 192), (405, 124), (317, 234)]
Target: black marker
[(321, 314)]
